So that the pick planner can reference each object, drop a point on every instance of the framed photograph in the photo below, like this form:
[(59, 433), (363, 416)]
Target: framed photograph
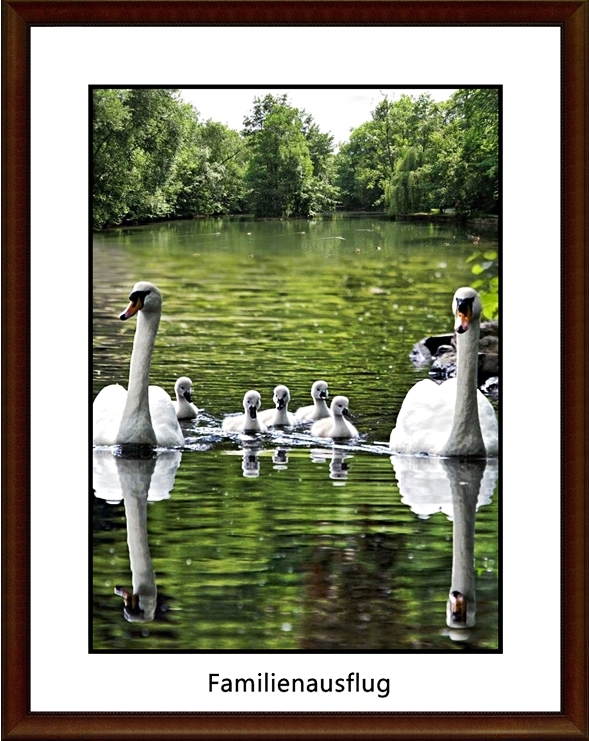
[(58, 683)]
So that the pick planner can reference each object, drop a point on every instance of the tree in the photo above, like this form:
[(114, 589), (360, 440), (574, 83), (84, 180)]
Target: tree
[(112, 134), (360, 172), (136, 137), (288, 170), (153, 159), (368, 162), (417, 155), (453, 157), (478, 113), (210, 169)]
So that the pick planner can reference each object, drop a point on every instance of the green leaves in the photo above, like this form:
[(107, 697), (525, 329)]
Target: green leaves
[(487, 283), (153, 159), (290, 161)]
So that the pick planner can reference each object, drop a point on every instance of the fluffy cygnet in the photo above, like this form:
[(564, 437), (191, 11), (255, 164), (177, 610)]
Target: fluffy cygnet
[(319, 408), (185, 409), (335, 425), (249, 421), (280, 416)]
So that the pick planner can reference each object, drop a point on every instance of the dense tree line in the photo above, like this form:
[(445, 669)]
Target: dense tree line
[(154, 158), (417, 155)]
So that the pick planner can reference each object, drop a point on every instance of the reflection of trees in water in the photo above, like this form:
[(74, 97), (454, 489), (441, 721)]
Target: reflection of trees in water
[(349, 595), (358, 594), (341, 568)]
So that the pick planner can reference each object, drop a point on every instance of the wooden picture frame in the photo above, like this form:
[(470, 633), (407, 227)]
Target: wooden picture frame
[(18, 722)]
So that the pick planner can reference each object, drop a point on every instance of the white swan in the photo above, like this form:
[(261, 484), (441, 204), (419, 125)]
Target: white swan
[(247, 422), (453, 418), (280, 416), (319, 408), (335, 425), (183, 405), (143, 415)]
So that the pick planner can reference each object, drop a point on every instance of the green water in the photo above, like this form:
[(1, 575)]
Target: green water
[(283, 542)]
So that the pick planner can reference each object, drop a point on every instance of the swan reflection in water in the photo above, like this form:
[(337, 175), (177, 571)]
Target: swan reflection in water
[(136, 481), (457, 487)]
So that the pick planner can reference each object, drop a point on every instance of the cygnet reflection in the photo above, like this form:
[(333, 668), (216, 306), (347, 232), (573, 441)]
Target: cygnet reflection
[(250, 462), (280, 459)]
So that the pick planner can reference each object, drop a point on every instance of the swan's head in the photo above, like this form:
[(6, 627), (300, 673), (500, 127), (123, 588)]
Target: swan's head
[(251, 403), (183, 387), (144, 296), (339, 407), (319, 390), (460, 614), (134, 611), (281, 397), (467, 308)]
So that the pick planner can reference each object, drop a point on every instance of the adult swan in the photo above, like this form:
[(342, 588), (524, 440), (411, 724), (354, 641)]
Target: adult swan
[(454, 418), (143, 415)]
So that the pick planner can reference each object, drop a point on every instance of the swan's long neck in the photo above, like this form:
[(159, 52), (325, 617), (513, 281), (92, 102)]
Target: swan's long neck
[(135, 481), (465, 482), (321, 408), (465, 437), (280, 417), (136, 426)]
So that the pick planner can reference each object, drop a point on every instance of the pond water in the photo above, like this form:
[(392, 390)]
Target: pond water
[(281, 541)]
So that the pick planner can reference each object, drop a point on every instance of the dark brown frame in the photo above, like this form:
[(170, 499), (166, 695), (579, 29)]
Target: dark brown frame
[(18, 722)]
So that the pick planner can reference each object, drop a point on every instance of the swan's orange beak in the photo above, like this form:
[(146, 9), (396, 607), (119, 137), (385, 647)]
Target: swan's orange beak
[(134, 306)]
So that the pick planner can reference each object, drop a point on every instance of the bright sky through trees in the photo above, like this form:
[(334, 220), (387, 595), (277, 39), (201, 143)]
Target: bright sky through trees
[(334, 110)]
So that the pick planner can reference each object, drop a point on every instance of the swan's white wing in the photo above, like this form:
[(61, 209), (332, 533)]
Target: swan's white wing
[(234, 423), (334, 428), (163, 418), (107, 412), (322, 427), (268, 416), (489, 424), (311, 412), (425, 418), (303, 414)]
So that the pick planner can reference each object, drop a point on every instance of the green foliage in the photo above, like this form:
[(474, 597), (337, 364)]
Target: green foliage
[(136, 135), (486, 270), (418, 155), (289, 170), (153, 159)]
